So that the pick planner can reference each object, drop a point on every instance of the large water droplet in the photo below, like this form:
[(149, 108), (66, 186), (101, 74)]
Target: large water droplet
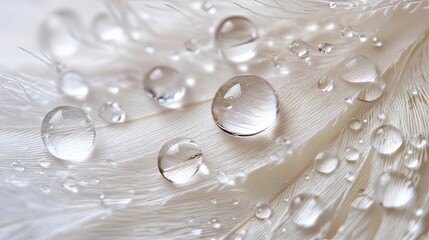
[(394, 190), (69, 183), (263, 210), (386, 139), (57, 32), (106, 29), (305, 210), (325, 162), (68, 133), (351, 154), (245, 105), (362, 202), (165, 85), (116, 198), (372, 92), (72, 84), (326, 84), (236, 39), (179, 160), (418, 141), (359, 69), (112, 112)]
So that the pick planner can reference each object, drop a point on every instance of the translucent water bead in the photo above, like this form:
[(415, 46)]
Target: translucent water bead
[(165, 85), (68, 133), (236, 39), (179, 160), (245, 105), (112, 112), (73, 84)]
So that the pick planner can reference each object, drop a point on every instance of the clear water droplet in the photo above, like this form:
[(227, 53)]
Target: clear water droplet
[(208, 7), (165, 85), (394, 190), (69, 183), (116, 198), (280, 62), (57, 32), (325, 84), (359, 69), (418, 140), (179, 160), (347, 32), (213, 201), (112, 112), (73, 84), (197, 232), (18, 165), (192, 46), (363, 37), (305, 210), (44, 162), (106, 29), (300, 49), (325, 162), (362, 202), (45, 188), (376, 42), (386, 139), (332, 5), (350, 177), (381, 116), (68, 133), (411, 162), (235, 202), (325, 47), (215, 223), (351, 154), (263, 210), (372, 92), (413, 90), (349, 100), (245, 105), (222, 177), (236, 39)]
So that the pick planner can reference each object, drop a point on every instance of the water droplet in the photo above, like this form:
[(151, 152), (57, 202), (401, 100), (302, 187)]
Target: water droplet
[(394, 190), (112, 112), (179, 160), (283, 141), (222, 177), (376, 42), (349, 100), (300, 49), (192, 46), (325, 163), (381, 116), (106, 29), (359, 69), (386, 139), (236, 39), (215, 223), (57, 32), (418, 141), (351, 154), (413, 90), (372, 92), (207, 6), (305, 210), (355, 124), (72, 84), (235, 202), (68, 133), (197, 232), (332, 5), (263, 210), (18, 165), (363, 37), (347, 32), (245, 105), (213, 201), (326, 47), (280, 62), (69, 183), (362, 202), (411, 162), (326, 84), (165, 85), (350, 177), (45, 188), (44, 162), (116, 198)]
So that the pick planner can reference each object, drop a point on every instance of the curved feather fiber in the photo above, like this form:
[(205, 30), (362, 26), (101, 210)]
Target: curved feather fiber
[(120, 193)]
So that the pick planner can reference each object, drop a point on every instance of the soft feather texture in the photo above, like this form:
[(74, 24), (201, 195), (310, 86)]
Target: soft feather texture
[(139, 203)]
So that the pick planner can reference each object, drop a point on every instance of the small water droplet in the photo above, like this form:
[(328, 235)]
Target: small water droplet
[(300, 49), (386, 139), (325, 84), (363, 37), (376, 42), (362, 202), (179, 160), (350, 177), (263, 210), (45, 188), (381, 116), (325, 162), (44, 162), (69, 183), (106, 29), (236, 39), (222, 177), (349, 100), (347, 32), (394, 190), (283, 141), (280, 62), (332, 5), (208, 7), (245, 105), (73, 84), (326, 47), (165, 85), (305, 210), (418, 140), (411, 162), (413, 90), (192, 46), (215, 223), (112, 112), (18, 165), (68, 133), (235, 202), (351, 154), (359, 69), (116, 198), (213, 201)]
